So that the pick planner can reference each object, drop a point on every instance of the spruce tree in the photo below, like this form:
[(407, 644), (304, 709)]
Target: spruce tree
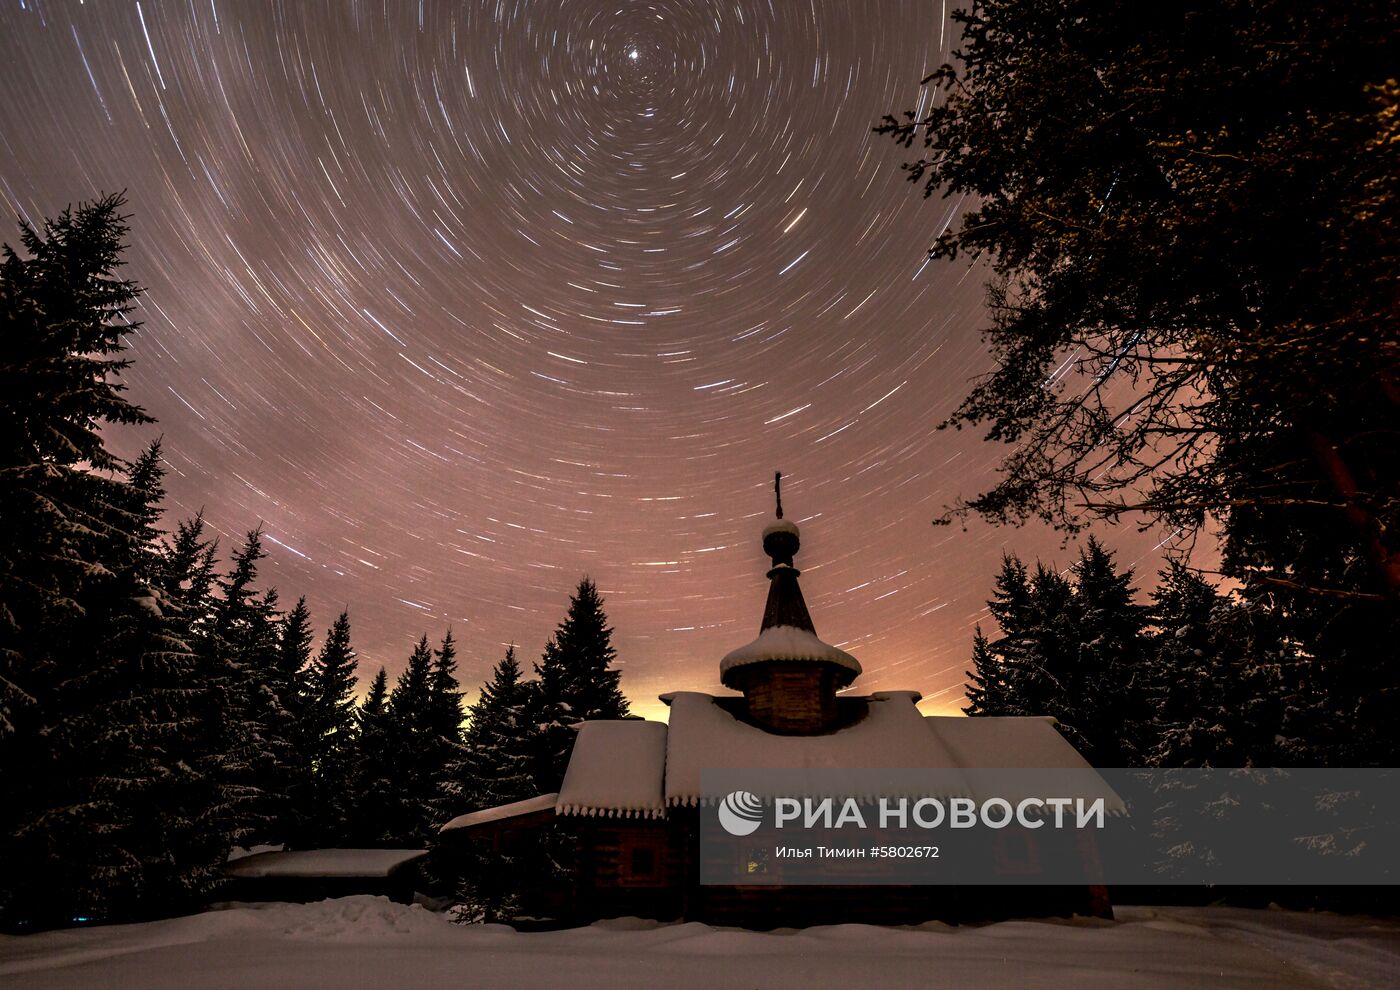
[(102, 810), (375, 776), (986, 681), (1073, 651), (1046, 651), (408, 702), (1034, 651), (444, 748), (999, 666), (501, 765), (1106, 687), (256, 734), (293, 680), (294, 656), (577, 682), (410, 740), (332, 725), (500, 744), (138, 792), (176, 820), (1194, 670), (65, 316), (186, 578), (1275, 714), (1340, 703), (499, 754), (445, 694)]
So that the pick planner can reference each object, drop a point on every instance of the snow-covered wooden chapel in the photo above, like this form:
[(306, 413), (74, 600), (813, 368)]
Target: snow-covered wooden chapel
[(631, 797)]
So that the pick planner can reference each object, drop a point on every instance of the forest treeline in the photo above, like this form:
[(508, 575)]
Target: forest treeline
[(1190, 677), (158, 707)]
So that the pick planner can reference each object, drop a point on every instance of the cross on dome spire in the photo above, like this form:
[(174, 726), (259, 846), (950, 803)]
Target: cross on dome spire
[(781, 541)]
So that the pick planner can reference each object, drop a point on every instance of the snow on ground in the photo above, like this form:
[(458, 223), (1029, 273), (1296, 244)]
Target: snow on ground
[(371, 942)]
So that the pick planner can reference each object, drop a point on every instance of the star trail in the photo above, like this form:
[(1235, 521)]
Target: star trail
[(462, 301)]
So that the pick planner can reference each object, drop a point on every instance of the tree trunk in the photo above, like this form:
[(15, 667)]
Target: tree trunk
[(1339, 475)]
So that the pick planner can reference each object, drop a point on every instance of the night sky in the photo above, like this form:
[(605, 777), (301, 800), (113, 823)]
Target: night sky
[(465, 300)]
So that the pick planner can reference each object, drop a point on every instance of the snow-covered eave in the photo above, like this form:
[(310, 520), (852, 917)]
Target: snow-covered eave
[(586, 811), (1113, 806), (703, 801), (503, 812), (788, 643)]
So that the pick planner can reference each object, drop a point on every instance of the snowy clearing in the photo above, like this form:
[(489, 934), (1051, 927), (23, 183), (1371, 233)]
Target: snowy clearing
[(371, 942)]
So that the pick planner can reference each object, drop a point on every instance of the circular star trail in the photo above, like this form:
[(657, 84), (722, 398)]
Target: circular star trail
[(462, 301)]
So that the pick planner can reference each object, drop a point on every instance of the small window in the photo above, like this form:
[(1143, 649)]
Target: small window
[(643, 861), (640, 859), (1016, 854)]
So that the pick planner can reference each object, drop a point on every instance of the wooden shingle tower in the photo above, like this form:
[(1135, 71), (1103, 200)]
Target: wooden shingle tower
[(789, 677)]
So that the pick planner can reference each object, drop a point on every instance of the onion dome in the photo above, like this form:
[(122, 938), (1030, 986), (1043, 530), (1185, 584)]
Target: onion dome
[(787, 635)]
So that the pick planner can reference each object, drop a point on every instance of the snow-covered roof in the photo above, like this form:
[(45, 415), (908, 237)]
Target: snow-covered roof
[(632, 768), (787, 643), (703, 736), (616, 770), (307, 863), (542, 802), (1004, 742)]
